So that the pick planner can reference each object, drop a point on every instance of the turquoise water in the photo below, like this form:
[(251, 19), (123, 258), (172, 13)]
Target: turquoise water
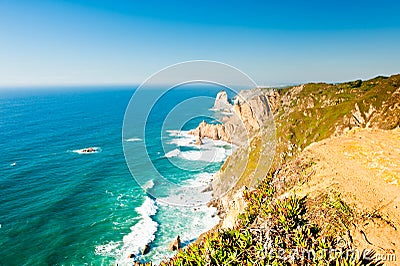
[(61, 207)]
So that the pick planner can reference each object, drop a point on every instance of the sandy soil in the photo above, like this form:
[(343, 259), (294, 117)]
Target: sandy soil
[(364, 166)]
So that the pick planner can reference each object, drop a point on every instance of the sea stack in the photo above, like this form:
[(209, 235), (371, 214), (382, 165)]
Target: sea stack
[(222, 103)]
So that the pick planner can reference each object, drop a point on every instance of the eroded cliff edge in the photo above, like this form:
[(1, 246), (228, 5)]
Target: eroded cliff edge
[(328, 116), (302, 115)]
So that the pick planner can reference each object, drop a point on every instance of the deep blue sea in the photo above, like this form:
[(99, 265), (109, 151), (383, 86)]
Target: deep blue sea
[(59, 206)]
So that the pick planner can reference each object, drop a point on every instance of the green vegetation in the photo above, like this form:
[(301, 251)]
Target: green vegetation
[(253, 162), (292, 230), (274, 232), (318, 110), (331, 213), (247, 165)]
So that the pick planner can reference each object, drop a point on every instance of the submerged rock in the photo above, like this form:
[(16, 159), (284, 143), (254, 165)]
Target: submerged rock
[(146, 249)]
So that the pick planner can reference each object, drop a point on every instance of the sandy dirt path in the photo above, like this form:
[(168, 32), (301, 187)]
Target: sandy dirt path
[(364, 166)]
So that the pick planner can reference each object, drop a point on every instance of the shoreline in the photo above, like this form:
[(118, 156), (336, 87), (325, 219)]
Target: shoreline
[(319, 126), (216, 137), (193, 196)]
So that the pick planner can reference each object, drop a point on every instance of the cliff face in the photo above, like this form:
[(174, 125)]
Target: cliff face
[(222, 103), (303, 114), (312, 112), (252, 128), (250, 115), (334, 151)]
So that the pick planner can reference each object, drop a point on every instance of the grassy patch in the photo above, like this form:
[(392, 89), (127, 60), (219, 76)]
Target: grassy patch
[(331, 213)]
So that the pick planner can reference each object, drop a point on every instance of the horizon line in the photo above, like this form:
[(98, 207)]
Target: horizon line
[(137, 84)]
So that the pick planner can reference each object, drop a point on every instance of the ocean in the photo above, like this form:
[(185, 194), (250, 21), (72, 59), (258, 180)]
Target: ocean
[(62, 206)]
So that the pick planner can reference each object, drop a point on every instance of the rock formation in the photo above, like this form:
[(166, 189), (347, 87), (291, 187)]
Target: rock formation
[(198, 141), (303, 114), (212, 131), (175, 244), (146, 249), (249, 116), (222, 103), (314, 159)]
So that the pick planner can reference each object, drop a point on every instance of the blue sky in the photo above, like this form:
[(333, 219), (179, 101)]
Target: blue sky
[(123, 42)]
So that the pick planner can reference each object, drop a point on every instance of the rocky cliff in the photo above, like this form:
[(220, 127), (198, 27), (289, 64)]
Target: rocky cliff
[(314, 193), (305, 114), (312, 112), (252, 128), (222, 102), (250, 115)]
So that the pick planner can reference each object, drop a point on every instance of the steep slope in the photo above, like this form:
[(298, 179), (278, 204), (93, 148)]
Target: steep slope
[(305, 114), (312, 112), (362, 168), (339, 193)]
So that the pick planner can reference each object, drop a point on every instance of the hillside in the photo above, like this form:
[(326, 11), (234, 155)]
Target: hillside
[(331, 187), (359, 170), (302, 115), (336, 203), (315, 111)]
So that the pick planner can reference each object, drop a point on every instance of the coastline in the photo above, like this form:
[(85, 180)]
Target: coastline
[(297, 111), (186, 203)]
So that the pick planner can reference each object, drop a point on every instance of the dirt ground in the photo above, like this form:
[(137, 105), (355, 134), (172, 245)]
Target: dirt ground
[(364, 166)]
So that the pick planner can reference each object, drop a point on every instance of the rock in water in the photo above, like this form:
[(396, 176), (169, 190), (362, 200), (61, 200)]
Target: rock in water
[(198, 141), (175, 244), (146, 249), (249, 115), (222, 103)]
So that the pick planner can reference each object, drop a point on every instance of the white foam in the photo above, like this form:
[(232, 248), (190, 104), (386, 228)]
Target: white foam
[(193, 192), (82, 151), (109, 193), (183, 138), (187, 196), (142, 233), (148, 185), (187, 222), (202, 179), (184, 142), (172, 153), (174, 133), (148, 208), (210, 154), (209, 151), (133, 139), (108, 249)]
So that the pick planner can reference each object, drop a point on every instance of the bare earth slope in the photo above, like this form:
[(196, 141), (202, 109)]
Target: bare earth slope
[(363, 166)]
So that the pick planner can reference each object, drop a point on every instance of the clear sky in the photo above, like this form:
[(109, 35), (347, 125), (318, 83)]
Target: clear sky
[(44, 42)]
